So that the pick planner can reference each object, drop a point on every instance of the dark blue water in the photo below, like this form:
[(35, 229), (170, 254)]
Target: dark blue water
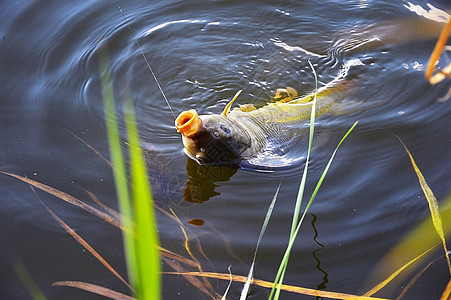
[(202, 52)]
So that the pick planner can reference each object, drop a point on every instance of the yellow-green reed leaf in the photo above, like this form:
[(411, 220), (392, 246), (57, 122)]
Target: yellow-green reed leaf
[(118, 162), (433, 204), (28, 281), (392, 276), (417, 241), (148, 256), (447, 292), (414, 279), (95, 289), (284, 287)]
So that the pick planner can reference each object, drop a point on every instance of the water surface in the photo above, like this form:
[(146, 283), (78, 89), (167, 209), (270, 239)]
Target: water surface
[(202, 52)]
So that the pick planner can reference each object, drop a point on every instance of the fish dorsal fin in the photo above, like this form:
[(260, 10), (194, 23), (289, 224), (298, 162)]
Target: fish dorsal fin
[(285, 95), (247, 107), (229, 105)]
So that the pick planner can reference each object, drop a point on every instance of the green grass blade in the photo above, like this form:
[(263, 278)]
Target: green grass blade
[(329, 163), (281, 272), (304, 174), (283, 265), (323, 175), (117, 160), (140, 237), (148, 257), (246, 287)]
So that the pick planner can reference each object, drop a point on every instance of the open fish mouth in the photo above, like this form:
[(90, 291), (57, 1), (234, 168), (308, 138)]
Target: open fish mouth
[(188, 123), (212, 139)]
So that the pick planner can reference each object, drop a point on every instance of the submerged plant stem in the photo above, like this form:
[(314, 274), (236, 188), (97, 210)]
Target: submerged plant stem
[(28, 281), (284, 287)]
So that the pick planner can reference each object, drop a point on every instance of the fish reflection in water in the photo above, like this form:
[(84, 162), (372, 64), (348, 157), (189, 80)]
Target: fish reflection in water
[(202, 179), (198, 188)]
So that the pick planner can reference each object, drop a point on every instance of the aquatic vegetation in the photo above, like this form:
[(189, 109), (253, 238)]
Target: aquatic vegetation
[(111, 219), (136, 205), (283, 287), (390, 278), (28, 281), (246, 287), (133, 234), (296, 221), (433, 206), (419, 244), (433, 74)]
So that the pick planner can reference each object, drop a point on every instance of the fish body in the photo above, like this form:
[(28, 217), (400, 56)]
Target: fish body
[(247, 132)]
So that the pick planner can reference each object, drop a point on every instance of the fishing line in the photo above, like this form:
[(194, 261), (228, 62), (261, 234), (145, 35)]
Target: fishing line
[(145, 59)]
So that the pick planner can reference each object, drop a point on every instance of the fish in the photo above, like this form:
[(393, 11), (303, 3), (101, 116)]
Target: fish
[(246, 132)]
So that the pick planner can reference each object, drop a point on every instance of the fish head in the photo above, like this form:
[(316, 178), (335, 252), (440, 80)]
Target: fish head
[(212, 139)]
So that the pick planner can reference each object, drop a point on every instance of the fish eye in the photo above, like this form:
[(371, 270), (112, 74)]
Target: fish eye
[(222, 132), (225, 129)]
